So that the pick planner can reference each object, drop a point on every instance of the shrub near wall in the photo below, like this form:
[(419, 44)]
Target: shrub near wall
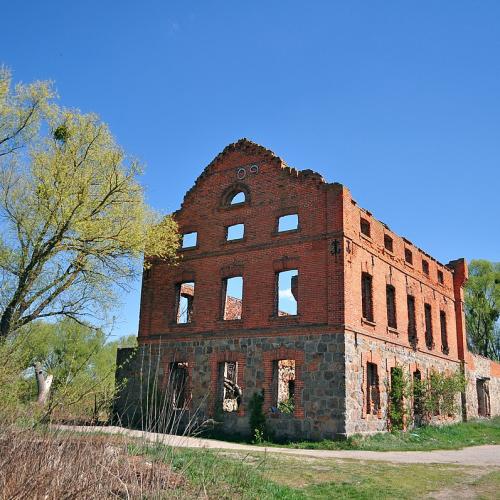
[(419, 403)]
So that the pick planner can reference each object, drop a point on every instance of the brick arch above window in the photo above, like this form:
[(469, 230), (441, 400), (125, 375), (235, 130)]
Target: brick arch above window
[(233, 190), (283, 353)]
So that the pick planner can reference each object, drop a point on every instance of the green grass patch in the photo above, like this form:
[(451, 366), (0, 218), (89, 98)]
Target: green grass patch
[(444, 437), (213, 475), (231, 474), (319, 478)]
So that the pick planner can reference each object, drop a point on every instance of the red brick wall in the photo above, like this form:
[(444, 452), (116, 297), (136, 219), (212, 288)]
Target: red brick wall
[(329, 284), (273, 191), (368, 254)]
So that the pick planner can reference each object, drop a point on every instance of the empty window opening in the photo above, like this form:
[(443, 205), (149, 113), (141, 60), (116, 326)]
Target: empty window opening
[(185, 300), (388, 243), (412, 322), (429, 341), (365, 227), (396, 398), (233, 298), (284, 384), (391, 306), (372, 389), (425, 267), (189, 240), (483, 398), (237, 198), (444, 333), (235, 232), (229, 390), (366, 296), (440, 277), (418, 394), (288, 293), (178, 384), (288, 223), (408, 256)]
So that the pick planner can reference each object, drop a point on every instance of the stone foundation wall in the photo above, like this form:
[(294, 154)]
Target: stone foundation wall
[(319, 403), (362, 349), (479, 367)]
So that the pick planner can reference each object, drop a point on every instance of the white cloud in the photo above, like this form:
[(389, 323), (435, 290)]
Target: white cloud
[(286, 294)]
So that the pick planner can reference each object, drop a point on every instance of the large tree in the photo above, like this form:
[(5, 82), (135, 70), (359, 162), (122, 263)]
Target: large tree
[(73, 219), (482, 308)]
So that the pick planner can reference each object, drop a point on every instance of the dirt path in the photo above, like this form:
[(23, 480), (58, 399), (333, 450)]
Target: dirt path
[(476, 455)]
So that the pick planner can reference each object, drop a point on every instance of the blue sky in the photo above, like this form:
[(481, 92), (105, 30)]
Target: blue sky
[(400, 101)]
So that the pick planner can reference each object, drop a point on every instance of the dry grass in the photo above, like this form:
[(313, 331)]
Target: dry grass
[(43, 465)]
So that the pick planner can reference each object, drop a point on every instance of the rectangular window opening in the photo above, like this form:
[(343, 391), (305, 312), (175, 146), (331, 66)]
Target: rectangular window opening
[(235, 232), (418, 393), (429, 341), (185, 300), (408, 256), (366, 296), (388, 243), (425, 267), (444, 333), (391, 306), (233, 298), (288, 292), (396, 402), (440, 277), (178, 384), (365, 227), (229, 391), (189, 240), (288, 223), (483, 398), (372, 389), (284, 385), (412, 322)]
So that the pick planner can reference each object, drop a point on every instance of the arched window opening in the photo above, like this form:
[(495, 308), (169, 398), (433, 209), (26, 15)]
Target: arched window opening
[(237, 198), (235, 195)]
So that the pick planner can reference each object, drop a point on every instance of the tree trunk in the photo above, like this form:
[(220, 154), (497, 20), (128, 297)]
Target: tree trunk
[(43, 384)]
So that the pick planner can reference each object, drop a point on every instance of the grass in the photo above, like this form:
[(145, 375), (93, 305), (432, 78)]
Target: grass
[(446, 437), (48, 464), (256, 475)]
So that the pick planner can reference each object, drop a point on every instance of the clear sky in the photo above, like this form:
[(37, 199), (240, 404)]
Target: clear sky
[(398, 100)]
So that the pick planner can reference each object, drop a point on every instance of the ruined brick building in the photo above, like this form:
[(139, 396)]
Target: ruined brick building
[(287, 287)]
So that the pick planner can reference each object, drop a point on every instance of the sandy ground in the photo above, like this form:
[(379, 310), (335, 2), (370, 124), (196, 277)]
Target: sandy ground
[(477, 455)]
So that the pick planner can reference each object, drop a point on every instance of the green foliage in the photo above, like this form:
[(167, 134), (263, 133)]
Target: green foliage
[(74, 223), (440, 393), (436, 395), (482, 308), (258, 437), (428, 437), (418, 393), (258, 428), (61, 133), (14, 385), (399, 411), (286, 406), (81, 360)]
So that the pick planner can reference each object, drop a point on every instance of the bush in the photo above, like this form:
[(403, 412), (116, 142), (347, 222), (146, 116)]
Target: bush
[(435, 395), (258, 428), (399, 412), (286, 406)]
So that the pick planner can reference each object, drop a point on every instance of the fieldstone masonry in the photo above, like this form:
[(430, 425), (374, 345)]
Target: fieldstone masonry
[(367, 300), (319, 382)]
